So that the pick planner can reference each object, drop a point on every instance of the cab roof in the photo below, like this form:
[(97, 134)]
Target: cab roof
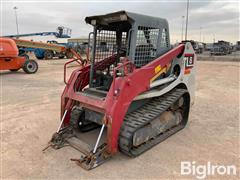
[(126, 19)]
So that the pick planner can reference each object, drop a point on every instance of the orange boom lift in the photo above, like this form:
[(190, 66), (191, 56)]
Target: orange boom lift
[(9, 59)]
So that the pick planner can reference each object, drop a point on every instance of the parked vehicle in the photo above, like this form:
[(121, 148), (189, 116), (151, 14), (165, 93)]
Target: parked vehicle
[(61, 32), (46, 52), (137, 94), (11, 60), (221, 48), (238, 46), (209, 47)]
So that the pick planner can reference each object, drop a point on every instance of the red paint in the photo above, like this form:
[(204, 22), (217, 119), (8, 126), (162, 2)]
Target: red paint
[(114, 106)]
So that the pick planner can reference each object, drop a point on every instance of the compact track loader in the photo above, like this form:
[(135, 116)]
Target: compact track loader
[(135, 93)]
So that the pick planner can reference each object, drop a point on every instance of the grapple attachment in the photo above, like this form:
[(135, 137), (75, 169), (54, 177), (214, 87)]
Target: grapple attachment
[(92, 158)]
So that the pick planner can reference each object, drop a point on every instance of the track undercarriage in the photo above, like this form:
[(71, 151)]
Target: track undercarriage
[(158, 119), (143, 128)]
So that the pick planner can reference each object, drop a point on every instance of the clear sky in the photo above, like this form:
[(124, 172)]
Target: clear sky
[(215, 18)]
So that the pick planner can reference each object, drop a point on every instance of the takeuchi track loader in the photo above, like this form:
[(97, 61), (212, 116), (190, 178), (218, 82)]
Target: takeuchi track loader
[(135, 93)]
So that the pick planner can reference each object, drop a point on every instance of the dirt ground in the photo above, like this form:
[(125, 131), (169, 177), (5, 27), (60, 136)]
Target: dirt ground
[(30, 109)]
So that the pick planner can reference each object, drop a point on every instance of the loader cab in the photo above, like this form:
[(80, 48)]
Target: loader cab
[(138, 37)]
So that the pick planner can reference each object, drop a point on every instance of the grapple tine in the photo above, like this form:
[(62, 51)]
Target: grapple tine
[(94, 159)]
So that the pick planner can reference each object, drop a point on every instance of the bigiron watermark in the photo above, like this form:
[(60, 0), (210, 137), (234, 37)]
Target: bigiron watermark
[(201, 171)]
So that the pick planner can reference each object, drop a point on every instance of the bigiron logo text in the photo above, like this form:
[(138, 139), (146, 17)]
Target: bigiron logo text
[(201, 171)]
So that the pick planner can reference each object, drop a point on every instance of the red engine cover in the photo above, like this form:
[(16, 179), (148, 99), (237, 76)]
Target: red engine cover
[(8, 48)]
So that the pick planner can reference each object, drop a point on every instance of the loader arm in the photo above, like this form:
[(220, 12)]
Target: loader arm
[(120, 100)]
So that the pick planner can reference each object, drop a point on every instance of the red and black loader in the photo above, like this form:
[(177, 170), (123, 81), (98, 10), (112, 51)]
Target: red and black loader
[(136, 91)]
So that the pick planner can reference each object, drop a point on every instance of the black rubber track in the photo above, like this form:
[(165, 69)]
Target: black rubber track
[(143, 116)]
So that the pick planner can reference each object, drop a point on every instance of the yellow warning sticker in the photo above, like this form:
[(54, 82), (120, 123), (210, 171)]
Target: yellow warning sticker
[(163, 70), (157, 69)]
